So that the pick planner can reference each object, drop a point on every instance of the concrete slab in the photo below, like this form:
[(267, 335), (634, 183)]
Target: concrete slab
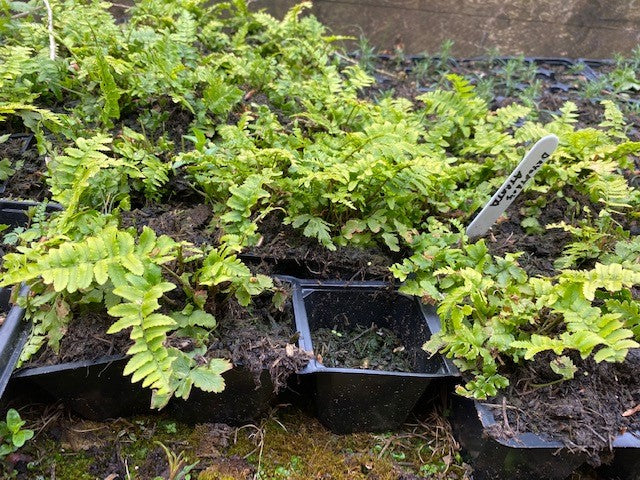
[(572, 28)]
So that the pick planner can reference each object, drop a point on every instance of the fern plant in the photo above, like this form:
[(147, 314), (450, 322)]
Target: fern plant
[(127, 273)]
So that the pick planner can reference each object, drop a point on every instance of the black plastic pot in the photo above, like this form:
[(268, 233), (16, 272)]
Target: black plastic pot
[(14, 212), (524, 456), (349, 399), (626, 458), (240, 402), (14, 332), (97, 390)]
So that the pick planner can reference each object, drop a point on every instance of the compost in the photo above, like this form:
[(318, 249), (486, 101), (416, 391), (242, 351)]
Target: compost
[(585, 413)]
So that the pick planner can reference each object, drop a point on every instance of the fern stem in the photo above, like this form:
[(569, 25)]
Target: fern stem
[(185, 285)]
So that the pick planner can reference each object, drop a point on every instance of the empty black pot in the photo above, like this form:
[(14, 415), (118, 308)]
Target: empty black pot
[(353, 399)]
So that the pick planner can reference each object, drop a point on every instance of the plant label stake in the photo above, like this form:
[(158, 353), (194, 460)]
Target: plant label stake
[(512, 187)]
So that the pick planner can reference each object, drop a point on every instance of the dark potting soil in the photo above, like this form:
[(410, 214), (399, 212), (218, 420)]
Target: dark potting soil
[(179, 221), (28, 181), (540, 249), (13, 147), (259, 337), (372, 348), (286, 251), (85, 339), (558, 84), (283, 249), (586, 413)]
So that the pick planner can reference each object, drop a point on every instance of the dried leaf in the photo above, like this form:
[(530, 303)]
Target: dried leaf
[(632, 411)]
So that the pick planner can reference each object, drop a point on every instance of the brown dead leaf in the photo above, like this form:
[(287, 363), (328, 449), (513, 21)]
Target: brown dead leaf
[(632, 411)]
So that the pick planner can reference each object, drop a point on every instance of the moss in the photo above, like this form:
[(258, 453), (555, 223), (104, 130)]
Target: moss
[(304, 449), (63, 465), (291, 445), (210, 474)]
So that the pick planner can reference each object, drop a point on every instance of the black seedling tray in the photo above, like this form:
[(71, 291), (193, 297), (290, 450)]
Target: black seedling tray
[(97, 390), (14, 212), (14, 332), (525, 456), (626, 458), (350, 399)]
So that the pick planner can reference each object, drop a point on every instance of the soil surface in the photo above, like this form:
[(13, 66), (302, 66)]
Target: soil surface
[(180, 222), (284, 250), (257, 337), (28, 182), (541, 249), (557, 84), (372, 348), (85, 339), (580, 412)]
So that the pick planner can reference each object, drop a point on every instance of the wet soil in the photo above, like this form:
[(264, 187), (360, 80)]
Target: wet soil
[(376, 329), (179, 221), (285, 251), (155, 465), (585, 413), (259, 337), (28, 181), (558, 82), (85, 340), (540, 249), (372, 348)]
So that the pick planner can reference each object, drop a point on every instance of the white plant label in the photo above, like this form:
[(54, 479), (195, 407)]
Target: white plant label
[(512, 187)]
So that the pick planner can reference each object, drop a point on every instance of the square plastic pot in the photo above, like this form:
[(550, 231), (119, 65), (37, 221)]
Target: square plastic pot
[(14, 331), (98, 390), (626, 458), (351, 399), (526, 456), (95, 390)]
